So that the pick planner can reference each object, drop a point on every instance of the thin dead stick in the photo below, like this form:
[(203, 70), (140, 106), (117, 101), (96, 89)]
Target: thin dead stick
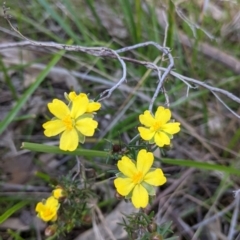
[(214, 217), (100, 215), (107, 52), (184, 79), (78, 168), (170, 189), (162, 77), (234, 220), (95, 226)]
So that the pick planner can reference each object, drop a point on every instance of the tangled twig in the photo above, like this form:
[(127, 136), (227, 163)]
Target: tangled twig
[(110, 53)]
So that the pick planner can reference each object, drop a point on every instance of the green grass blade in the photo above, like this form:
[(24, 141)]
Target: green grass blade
[(201, 165), (12, 210), (128, 17), (104, 31), (8, 80), (155, 25), (60, 21), (37, 26), (15, 235), (171, 21), (138, 6), (53, 149), (83, 30), (14, 111)]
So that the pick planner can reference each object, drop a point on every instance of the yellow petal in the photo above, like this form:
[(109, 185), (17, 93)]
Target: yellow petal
[(52, 201), (79, 106), (146, 119), (155, 178), (82, 95), (93, 107), (161, 139), (72, 95), (146, 133), (54, 218), (48, 210), (69, 140), (163, 114), (58, 108), (123, 185), (127, 167), (53, 127), (86, 126), (171, 128), (57, 193), (49, 215), (144, 161), (40, 207), (140, 196)]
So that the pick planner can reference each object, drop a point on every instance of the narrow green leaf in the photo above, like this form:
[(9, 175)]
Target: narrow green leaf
[(171, 22), (201, 165), (129, 20), (15, 235), (53, 149), (12, 210), (83, 30), (8, 80), (36, 25), (90, 4), (43, 176), (60, 20)]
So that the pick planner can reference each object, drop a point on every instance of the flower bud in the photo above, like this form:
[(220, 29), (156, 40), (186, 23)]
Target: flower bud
[(87, 219), (50, 230), (116, 148), (58, 192), (156, 236), (152, 227)]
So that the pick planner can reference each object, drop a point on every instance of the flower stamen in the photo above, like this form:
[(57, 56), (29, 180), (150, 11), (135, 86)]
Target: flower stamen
[(137, 178), (158, 128), (157, 125), (68, 122)]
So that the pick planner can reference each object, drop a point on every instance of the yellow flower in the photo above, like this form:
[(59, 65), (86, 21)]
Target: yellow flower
[(157, 128), (58, 193), (73, 122), (47, 210), (137, 181), (92, 106)]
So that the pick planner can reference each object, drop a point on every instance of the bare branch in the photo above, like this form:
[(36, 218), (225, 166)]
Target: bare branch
[(109, 53)]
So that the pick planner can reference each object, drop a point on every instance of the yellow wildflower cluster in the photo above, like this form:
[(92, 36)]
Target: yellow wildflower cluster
[(47, 209), (136, 179), (73, 121), (157, 128)]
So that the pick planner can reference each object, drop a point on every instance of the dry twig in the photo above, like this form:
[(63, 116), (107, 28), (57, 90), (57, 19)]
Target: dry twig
[(110, 53)]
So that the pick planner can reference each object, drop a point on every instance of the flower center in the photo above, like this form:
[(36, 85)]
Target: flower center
[(68, 122), (48, 212), (137, 178), (156, 126)]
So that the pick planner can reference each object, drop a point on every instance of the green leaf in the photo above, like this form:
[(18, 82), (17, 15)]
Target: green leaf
[(63, 23), (53, 149), (120, 175), (12, 210), (150, 189), (14, 234), (201, 165)]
